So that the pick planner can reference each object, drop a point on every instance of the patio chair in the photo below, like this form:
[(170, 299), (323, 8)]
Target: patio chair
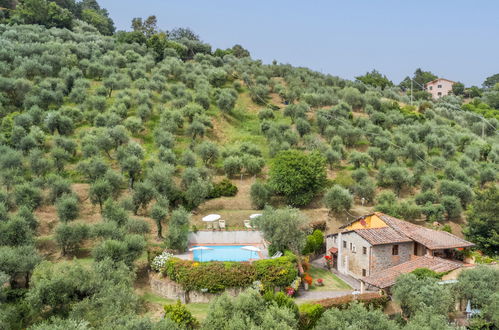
[(209, 225), (221, 224), (276, 255), (247, 224)]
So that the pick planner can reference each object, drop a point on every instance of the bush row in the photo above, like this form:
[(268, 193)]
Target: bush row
[(216, 276)]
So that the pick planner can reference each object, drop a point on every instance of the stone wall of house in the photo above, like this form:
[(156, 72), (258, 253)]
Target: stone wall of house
[(382, 257), (351, 257), (166, 288)]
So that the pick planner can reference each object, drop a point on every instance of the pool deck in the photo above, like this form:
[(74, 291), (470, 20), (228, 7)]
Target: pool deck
[(226, 238)]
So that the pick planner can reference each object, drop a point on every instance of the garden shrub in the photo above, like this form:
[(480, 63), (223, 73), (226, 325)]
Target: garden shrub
[(216, 276), (224, 188), (309, 315), (371, 300), (179, 314), (314, 243)]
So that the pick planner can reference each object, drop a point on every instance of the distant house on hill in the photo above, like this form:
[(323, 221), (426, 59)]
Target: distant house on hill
[(376, 248), (439, 87)]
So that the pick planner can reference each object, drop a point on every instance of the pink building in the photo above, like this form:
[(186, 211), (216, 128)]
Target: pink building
[(439, 87)]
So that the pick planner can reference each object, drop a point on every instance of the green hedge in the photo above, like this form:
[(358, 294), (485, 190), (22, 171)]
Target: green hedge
[(370, 300), (216, 276)]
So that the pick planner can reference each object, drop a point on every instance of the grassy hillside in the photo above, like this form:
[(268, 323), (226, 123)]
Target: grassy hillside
[(98, 134)]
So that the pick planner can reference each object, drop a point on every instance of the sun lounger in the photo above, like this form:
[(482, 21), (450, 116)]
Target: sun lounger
[(247, 224), (221, 224), (277, 255)]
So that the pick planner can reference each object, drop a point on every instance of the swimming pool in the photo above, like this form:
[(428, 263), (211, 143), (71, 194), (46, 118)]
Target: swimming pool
[(224, 253)]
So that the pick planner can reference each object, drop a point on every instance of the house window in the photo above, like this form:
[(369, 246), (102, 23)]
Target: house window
[(439, 86), (354, 249), (364, 250), (350, 246), (395, 250), (439, 93), (345, 244), (334, 239), (364, 272)]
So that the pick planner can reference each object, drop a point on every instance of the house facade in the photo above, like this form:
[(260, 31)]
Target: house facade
[(370, 247), (439, 87)]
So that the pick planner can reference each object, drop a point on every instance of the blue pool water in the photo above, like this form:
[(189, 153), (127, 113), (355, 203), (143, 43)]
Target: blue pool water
[(225, 253)]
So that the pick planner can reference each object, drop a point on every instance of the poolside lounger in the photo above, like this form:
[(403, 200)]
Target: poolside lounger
[(276, 255), (221, 224), (209, 225), (247, 224)]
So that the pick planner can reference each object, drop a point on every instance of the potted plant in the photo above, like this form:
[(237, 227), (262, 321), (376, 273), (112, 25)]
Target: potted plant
[(329, 262), (319, 282)]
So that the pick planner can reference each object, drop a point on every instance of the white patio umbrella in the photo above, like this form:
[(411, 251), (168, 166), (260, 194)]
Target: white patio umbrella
[(211, 218), (251, 249), (200, 248), (256, 215)]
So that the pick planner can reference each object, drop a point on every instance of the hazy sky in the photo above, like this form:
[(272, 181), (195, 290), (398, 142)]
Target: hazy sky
[(455, 39)]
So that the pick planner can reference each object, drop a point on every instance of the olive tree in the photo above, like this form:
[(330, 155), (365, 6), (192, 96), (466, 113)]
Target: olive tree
[(68, 207), (178, 230), (338, 199)]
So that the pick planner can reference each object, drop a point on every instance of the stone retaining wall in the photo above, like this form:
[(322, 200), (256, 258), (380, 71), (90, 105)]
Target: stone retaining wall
[(166, 288)]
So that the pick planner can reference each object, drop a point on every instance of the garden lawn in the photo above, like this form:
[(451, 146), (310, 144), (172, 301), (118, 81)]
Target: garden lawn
[(331, 281), (199, 310)]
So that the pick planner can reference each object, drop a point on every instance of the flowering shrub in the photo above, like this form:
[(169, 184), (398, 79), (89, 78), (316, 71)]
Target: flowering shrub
[(329, 261), (216, 276), (159, 261), (293, 287), (308, 279), (290, 291)]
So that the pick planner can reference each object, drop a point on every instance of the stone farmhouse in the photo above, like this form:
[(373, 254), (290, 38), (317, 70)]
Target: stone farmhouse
[(439, 87), (376, 248)]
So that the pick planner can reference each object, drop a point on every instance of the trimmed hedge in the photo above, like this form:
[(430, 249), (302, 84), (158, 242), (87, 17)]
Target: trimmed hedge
[(216, 276), (224, 188), (370, 299)]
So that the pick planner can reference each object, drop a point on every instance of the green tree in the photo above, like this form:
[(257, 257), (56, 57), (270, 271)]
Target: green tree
[(483, 227), (99, 192), (19, 260), (415, 294), (458, 88), (178, 230), (338, 199), (159, 212), (260, 195), (477, 284), (375, 79), (179, 313), (232, 165), (70, 237), (420, 78), (297, 176), (360, 158), (249, 310), (143, 194), (43, 12), (491, 81), (68, 208), (284, 229), (226, 101), (127, 251), (452, 206), (355, 317)]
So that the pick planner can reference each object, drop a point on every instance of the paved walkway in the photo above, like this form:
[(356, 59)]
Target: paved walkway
[(319, 295)]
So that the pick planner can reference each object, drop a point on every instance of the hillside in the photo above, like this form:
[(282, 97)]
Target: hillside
[(102, 139)]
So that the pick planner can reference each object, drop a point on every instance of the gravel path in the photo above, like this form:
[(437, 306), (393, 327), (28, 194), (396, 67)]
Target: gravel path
[(319, 295)]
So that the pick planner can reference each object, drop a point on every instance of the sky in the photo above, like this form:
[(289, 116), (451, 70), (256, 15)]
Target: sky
[(455, 39)]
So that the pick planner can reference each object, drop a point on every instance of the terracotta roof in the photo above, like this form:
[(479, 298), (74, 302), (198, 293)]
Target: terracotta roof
[(387, 277), (385, 235), (432, 239)]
